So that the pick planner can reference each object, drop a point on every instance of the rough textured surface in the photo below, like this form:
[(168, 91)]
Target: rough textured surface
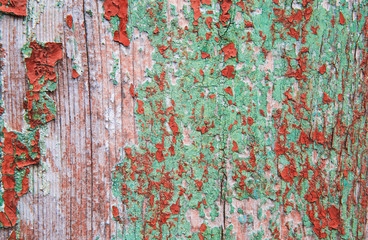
[(249, 105), (117, 12), (191, 119), (19, 150), (16, 7)]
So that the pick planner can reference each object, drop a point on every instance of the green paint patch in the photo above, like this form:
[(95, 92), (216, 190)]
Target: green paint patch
[(264, 107), (115, 68)]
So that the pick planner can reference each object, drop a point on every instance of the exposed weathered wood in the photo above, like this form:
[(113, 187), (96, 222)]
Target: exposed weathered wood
[(71, 191)]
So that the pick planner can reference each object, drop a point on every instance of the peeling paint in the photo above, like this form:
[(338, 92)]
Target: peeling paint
[(276, 104), (119, 10), (19, 150), (15, 7)]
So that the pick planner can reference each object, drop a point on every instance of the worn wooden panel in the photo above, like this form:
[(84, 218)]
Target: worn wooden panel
[(175, 119)]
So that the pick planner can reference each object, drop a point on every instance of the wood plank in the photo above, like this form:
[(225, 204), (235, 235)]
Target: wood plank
[(299, 70)]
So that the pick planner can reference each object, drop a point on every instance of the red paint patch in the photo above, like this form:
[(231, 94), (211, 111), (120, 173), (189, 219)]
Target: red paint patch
[(161, 80), (174, 126), (204, 55), (314, 29), (203, 228), (293, 33), (235, 147), (250, 121), (248, 24), (162, 49), (16, 7), (228, 71), (334, 214), (241, 5), (42, 77), (118, 8), (195, 5), (69, 21), (252, 159), (225, 7), (41, 63), (115, 212), (262, 112), (209, 22), (304, 138), (13, 236), (341, 19), (175, 208), (8, 182), (230, 51), (229, 91), (326, 99), (289, 173), (75, 74), (140, 109), (322, 69), (132, 92)]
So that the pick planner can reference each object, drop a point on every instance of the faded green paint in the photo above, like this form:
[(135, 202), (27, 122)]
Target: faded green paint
[(115, 68), (277, 133)]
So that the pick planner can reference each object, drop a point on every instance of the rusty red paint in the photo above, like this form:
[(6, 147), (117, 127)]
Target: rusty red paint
[(21, 150), (230, 51), (13, 236), (195, 5), (75, 74), (322, 69), (229, 91), (118, 8), (228, 71), (69, 21), (204, 55), (207, 2), (41, 63), (132, 92), (41, 75), (225, 7), (140, 109), (235, 147), (326, 99), (16, 156), (209, 22), (341, 19), (248, 24), (16, 7)]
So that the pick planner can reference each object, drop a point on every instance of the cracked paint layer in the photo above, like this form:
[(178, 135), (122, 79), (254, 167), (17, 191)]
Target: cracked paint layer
[(15, 7), (19, 150), (116, 11), (272, 96), (41, 78)]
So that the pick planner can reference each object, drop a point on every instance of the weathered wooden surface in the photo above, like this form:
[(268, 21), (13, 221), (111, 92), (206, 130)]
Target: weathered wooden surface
[(239, 153), (70, 195)]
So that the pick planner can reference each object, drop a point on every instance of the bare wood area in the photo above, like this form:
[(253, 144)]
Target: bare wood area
[(70, 197)]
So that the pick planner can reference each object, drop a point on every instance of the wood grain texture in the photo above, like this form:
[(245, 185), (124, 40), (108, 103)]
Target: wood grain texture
[(70, 195), (266, 137)]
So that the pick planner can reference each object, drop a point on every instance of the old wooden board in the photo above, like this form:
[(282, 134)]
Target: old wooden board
[(183, 119)]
